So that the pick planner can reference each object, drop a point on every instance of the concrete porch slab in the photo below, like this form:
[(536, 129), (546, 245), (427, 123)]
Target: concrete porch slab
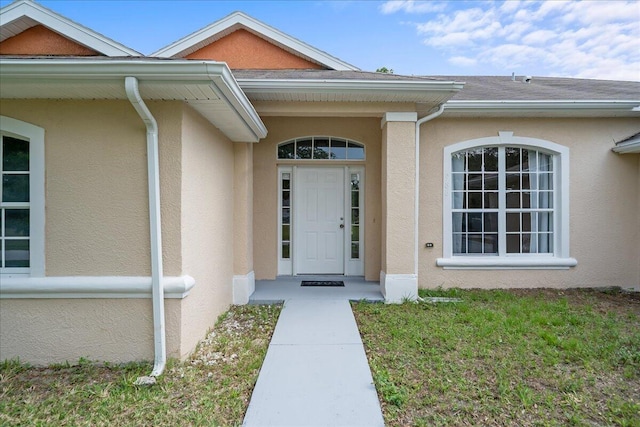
[(288, 287)]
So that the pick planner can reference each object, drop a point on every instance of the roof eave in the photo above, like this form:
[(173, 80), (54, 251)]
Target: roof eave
[(370, 89), (215, 74), (628, 146), (572, 108)]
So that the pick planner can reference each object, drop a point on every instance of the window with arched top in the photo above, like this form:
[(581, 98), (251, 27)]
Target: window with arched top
[(506, 204), (321, 148)]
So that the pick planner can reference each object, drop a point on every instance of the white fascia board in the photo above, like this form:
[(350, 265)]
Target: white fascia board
[(18, 287), (170, 72), (65, 27), (266, 31), (540, 106), (363, 86), (628, 147)]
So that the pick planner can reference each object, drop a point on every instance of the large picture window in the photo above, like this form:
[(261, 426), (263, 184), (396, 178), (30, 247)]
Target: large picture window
[(506, 203)]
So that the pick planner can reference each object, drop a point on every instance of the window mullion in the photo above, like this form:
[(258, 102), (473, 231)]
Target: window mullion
[(502, 202)]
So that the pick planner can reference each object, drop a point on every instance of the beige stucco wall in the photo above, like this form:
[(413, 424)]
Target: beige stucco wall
[(604, 202), (97, 220), (364, 130), (398, 190), (207, 226), (243, 208), (97, 225)]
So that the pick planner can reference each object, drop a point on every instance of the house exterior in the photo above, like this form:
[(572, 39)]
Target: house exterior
[(142, 195)]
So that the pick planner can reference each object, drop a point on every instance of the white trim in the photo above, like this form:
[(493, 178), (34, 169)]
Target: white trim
[(168, 73), (25, 9), (560, 107), (398, 288), (505, 263), (561, 257), (244, 285), (630, 145), (238, 20), (92, 287), (398, 117), (368, 90), (35, 135)]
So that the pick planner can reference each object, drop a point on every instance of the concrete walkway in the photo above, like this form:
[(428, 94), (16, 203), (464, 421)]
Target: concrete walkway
[(316, 372)]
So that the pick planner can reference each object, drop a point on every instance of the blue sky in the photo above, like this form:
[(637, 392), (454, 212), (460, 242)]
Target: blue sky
[(587, 39)]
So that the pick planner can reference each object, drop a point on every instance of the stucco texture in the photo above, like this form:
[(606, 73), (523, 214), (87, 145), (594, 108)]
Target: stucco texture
[(604, 203), (39, 40), (398, 189), (207, 225), (245, 50), (97, 224), (265, 181)]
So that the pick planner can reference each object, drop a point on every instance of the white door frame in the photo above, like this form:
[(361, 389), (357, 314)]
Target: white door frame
[(288, 265)]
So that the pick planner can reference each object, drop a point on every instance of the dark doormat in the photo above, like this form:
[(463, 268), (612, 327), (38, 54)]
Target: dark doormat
[(322, 283)]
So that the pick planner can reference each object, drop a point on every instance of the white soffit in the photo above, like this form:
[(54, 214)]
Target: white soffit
[(206, 86), (307, 90), (24, 14), (238, 20)]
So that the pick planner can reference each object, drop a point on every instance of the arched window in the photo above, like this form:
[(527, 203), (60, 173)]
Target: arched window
[(320, 148), (506, 203)]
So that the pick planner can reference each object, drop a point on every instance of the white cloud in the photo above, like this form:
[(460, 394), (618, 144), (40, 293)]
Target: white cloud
[(411, 6), (563, 38), (463, 61)]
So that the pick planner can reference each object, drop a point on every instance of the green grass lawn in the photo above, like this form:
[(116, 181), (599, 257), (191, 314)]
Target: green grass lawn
[(522, 358), (211, 388)]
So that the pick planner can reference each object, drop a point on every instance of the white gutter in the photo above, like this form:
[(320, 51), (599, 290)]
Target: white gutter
[(557, 107), (417, 194), (296, 85), (153, 171)]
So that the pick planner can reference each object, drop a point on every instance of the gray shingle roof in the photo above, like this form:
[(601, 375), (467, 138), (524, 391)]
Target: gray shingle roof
[(479, 88), (325, 75), (503, 88)]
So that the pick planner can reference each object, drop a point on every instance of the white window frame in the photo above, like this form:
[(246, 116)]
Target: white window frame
[(352, 267), (560, 258), (35, 136)]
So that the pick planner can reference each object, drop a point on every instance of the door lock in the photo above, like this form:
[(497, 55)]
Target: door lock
[(341, 225)]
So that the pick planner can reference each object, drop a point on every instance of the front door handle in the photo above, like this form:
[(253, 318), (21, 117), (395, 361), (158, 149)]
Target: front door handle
[(341, 225)]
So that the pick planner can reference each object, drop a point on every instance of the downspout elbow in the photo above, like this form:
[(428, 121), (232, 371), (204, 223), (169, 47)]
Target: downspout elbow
[(153, 172)]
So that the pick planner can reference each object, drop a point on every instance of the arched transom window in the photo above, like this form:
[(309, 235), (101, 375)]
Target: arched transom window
[(321, 148)]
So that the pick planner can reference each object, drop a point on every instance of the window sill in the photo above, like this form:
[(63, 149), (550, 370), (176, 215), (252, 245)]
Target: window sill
[(506, 263), (15, 287)]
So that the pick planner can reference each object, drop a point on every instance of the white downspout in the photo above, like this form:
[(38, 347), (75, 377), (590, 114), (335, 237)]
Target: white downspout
[(417, 195), (153, 171)]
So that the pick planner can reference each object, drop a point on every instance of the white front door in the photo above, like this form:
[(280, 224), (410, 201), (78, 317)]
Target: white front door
[(319, 220)]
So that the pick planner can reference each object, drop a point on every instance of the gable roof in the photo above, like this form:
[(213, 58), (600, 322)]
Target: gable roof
[(24, 14), (239, 20)]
